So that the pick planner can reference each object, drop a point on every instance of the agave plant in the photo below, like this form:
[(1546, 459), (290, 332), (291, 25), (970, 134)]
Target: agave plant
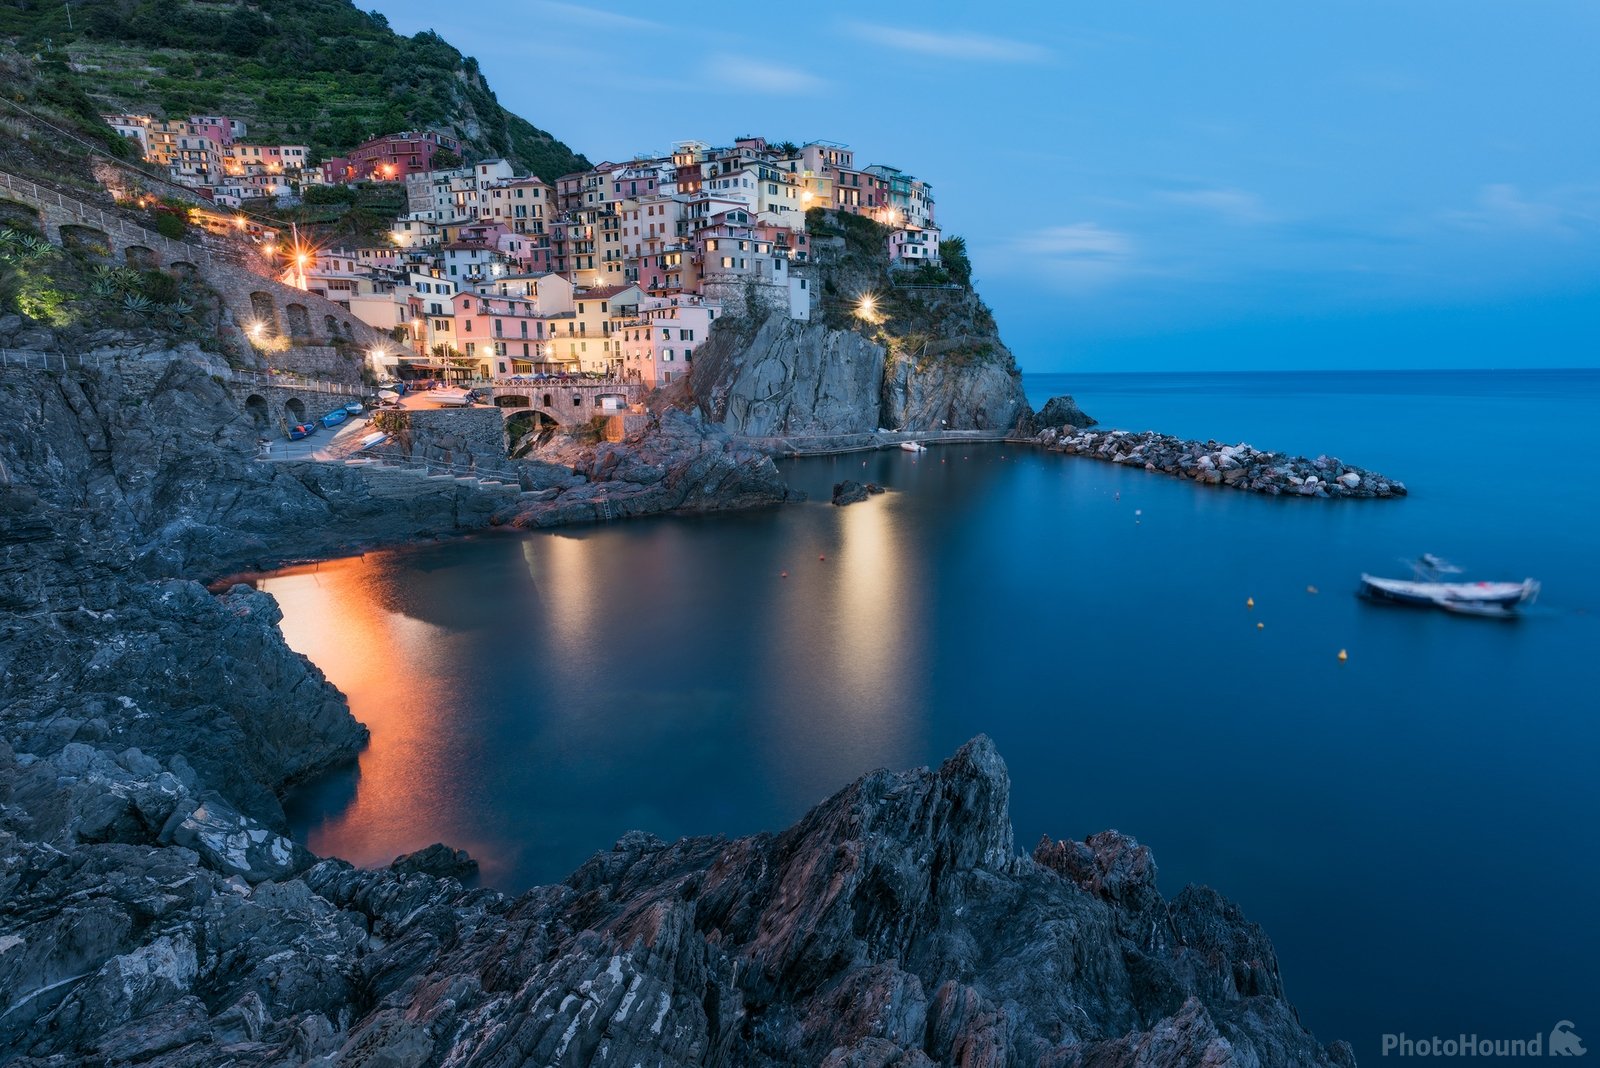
[(179, 308), (102, 288), (137, 304)]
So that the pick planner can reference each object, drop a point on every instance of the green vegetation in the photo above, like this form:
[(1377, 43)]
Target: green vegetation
[(340, 214), (318, 72), (923, 314), (76, 286)]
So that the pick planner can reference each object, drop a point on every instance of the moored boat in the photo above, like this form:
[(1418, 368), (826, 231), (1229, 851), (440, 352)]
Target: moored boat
[(1428, 589), (913, 446)]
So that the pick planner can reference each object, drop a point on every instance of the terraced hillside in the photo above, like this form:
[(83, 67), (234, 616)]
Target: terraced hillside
[(318, 72)]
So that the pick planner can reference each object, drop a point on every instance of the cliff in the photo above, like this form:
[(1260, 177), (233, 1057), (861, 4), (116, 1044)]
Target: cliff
[(902, 350)]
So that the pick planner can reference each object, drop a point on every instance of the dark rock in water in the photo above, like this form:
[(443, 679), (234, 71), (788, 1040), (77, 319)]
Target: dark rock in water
[(437, 860), (850, 491), (1063, 411)]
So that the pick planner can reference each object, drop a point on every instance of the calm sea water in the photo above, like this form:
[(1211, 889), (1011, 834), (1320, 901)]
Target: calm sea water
[(1415, 827)]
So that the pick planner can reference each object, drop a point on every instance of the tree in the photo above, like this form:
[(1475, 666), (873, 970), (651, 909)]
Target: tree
[(953, 251), (444, 160)]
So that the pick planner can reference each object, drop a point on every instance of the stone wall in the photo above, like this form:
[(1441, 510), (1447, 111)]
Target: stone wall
[(249, 297), (461, 437)]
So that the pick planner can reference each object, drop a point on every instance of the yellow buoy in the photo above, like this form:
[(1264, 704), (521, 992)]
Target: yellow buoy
[(1343, 655), (1249, 602), (1260, 626)]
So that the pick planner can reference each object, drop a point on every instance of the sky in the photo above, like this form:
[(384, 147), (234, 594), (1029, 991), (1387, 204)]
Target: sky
[(1144, 185)]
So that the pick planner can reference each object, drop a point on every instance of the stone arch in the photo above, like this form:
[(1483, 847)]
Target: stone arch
[(265, 312), (512, 400), (141, 258), (611, 402), (549, 401), (184, 269), (524, 429), (255, 406), (86, 239), (330, 326), (344, 328), (298, 319), (17, 215), (295, 408)]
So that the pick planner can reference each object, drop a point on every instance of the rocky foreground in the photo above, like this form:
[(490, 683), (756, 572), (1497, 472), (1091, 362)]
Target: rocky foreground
[(1234, 466), (893, 925)]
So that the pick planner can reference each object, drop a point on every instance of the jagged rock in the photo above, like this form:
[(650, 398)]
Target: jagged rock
[(1063, 411), (851, 492), (437, 860)]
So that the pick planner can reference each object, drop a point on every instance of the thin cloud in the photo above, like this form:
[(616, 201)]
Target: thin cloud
[(591, 16), (1077, 256), (974, 47), (1503, 207), (766, 77), (1234, 205)]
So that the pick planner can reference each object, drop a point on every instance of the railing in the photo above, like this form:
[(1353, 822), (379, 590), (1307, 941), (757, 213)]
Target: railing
[(434, 467), (525, 383), (282, 381), (60, 361), (175, 250)]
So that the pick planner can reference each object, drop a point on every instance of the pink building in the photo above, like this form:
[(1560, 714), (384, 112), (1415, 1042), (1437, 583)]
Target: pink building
[(390, 158)]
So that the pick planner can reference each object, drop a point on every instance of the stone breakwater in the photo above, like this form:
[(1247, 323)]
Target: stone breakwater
[(1234, 466)]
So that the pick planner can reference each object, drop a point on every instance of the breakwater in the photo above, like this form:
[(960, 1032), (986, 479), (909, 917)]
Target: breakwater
[(1241, 467)]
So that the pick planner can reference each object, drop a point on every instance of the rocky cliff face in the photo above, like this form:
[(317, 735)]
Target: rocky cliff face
[(780, 377), (893, 925), (927, 357)]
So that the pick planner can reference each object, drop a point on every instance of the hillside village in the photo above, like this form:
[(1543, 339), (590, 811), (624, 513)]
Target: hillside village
[(617, 271)]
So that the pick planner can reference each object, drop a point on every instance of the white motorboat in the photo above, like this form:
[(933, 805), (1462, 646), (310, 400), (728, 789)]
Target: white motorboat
[(1429, 588), (913, 446), (450, 398)]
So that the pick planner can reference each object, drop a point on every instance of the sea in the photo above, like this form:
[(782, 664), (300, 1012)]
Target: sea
[(1413, 823)]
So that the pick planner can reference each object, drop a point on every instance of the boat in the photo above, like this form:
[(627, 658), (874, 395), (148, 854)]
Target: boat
[(1428, 587), (451, 398), (354, 408), (913, 446), (374, 438), (302, 430), (335, 417)]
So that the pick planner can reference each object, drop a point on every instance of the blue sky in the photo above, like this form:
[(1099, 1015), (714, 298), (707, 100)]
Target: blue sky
[(1151, 185)]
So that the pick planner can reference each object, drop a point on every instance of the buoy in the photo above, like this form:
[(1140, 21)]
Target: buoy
[(822, 558), (1249, 602), (1138, 511), (1343, 655), (1261, 626), (1311, 589), (785, 574)]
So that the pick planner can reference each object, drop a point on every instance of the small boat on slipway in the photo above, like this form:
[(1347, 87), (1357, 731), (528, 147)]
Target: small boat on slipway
[(1428, 588)]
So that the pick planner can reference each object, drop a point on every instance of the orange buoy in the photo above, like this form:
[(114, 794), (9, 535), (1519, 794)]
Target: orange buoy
[(822, 558), (785, 574), (1343, 655), (1249, 602)]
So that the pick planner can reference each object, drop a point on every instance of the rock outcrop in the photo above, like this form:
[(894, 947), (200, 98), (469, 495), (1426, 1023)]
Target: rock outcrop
[(945, 395), (852, 492), (893, 925), (784, 378), (1064, 411)]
